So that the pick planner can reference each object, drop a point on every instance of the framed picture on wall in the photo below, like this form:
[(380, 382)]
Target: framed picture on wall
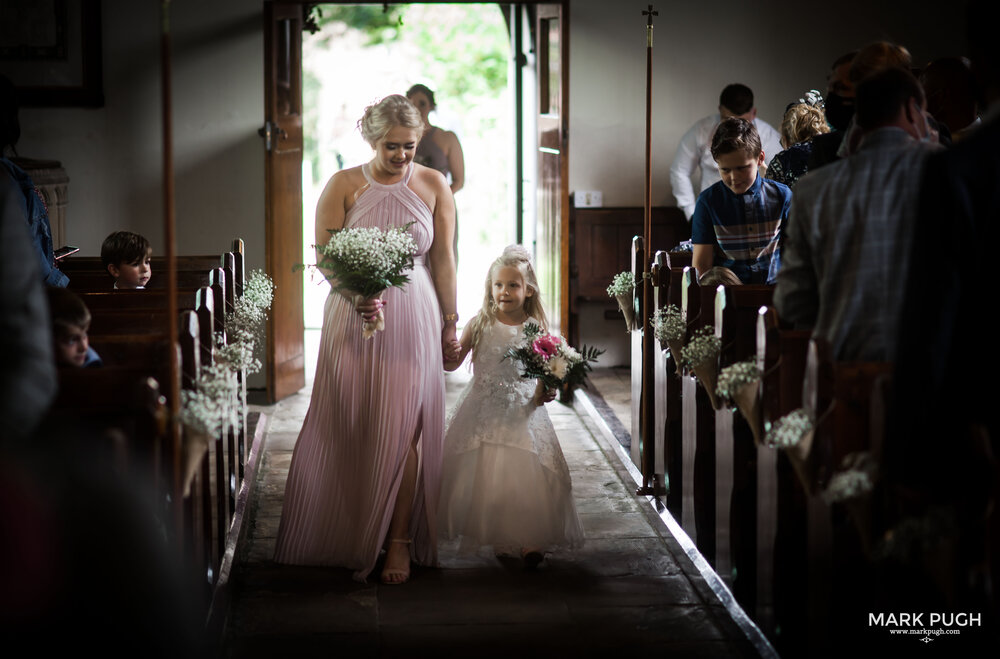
[(51, 51)]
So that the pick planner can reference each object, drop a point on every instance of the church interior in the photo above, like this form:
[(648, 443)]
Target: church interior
[(126, 533)]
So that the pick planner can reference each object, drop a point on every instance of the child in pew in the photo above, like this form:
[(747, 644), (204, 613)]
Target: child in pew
[(719, 275), (504, 480), (70, 323), (126, 257), (737, 221)]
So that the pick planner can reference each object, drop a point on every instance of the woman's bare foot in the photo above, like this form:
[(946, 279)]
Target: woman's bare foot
[(397, 562)]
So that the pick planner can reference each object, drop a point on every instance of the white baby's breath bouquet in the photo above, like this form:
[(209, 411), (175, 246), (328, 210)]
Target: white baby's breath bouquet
[(670, 328), (367, 260), (739, 384), (621, 289), (700, 355)]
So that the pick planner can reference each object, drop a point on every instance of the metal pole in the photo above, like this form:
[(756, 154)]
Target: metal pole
[(173, 386), (647, 408)]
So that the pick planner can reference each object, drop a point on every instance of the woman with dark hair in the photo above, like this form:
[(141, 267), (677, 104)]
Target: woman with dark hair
[(438, 148)]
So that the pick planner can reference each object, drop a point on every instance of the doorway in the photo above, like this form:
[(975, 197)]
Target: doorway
[(529, 42), (361, 53)]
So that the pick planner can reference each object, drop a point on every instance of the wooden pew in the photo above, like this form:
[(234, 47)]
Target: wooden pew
[(736, 309), (781, 501), (698, 429), (843, 395), (668, 271)]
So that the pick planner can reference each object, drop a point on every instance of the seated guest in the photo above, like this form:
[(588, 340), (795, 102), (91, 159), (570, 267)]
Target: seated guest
[(735, 222), (847, 241), (694, 162), (126, 257), (719, 275), (803, 121), (70, 324)]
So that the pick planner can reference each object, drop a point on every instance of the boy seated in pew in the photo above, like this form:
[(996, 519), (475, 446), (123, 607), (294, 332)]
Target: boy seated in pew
[(70, 323), (736, 221), (719, 275), (126, 257)]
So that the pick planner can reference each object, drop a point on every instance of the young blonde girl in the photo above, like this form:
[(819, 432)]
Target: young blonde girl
[(505, 482)]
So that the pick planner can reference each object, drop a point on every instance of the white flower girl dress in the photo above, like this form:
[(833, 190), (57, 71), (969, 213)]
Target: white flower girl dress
[(505, 481)]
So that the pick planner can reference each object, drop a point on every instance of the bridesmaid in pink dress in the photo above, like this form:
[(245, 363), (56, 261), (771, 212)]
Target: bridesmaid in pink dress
[(366, 469)]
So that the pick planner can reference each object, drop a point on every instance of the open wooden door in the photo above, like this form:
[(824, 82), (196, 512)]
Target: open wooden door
[(282, 134), (552, 230)]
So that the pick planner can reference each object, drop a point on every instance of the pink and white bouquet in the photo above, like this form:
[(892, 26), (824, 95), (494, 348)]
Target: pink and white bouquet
[(550, 359)]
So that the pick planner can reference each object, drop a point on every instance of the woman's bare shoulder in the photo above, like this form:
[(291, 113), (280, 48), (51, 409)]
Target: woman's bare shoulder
[(430, 177)]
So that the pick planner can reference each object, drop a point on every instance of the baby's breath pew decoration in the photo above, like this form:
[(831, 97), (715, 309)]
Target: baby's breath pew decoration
[(699, 356), (790, 430), (846, 485), (739, 384), (621, 289), (670, 328), (207, 411), (793, 433), (365, 261), (213, 406)]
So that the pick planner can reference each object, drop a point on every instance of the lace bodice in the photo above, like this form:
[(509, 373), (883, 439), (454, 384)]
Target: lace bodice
[(497, 407)]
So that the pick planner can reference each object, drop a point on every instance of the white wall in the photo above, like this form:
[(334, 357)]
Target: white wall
[(113, 155), (777, 49)]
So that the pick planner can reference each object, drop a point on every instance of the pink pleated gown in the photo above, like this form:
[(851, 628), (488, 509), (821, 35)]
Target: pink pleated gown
[(370, 399)]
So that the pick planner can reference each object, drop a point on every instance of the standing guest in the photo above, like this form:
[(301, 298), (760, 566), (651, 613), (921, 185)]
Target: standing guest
[(366, 469), (845, 256), (27, 370), (874, 57), (126, 256), (34, 209), (944, 436), (736, 221), (952, 95), (803, 121), (694, 155), (438, 149)]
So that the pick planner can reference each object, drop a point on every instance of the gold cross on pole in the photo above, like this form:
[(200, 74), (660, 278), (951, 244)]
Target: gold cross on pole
[(649, 13)]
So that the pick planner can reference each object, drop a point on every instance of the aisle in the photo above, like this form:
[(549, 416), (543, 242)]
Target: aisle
[(630, 587)]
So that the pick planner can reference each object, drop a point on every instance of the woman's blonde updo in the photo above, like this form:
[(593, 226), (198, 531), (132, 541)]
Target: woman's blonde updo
[(802, 122), (391, 111)]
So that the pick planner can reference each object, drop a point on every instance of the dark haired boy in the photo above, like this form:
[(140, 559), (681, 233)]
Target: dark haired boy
[(70, 324), (126, 256), (693, 158), (736, 221)]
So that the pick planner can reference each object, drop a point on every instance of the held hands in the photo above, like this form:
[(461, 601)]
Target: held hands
[(451, 349), (543, 394)]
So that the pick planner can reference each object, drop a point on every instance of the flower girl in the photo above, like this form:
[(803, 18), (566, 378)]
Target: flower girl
[(505, 482)]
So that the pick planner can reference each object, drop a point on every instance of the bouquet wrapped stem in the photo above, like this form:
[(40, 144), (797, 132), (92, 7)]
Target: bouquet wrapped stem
[(625, 304), (377, 322)]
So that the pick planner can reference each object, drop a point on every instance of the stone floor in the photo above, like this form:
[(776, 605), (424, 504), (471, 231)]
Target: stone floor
[(632, 586)]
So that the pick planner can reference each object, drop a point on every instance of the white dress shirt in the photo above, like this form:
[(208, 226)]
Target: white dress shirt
[(694, 153)]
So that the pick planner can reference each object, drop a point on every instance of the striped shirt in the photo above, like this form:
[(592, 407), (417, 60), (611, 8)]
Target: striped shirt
[(744, 227)]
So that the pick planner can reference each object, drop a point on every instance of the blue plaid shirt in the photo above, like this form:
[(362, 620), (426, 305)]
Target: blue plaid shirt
[(744, 227), (846, 248)]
